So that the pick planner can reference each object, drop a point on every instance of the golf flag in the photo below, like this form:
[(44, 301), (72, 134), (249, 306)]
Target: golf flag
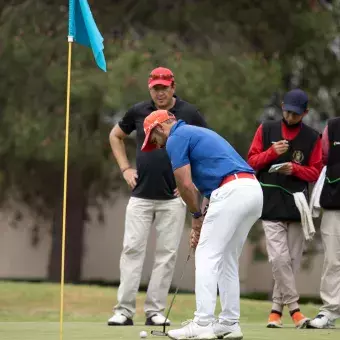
[(83, 29)]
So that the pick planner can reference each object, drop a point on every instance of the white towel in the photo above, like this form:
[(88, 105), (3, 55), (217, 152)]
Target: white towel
[(314, 204), (306, 216)]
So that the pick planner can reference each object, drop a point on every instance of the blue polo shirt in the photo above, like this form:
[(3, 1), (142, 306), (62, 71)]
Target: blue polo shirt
[(211, 157)]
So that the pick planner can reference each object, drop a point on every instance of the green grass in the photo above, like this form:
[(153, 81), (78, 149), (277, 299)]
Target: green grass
[(30, 311)]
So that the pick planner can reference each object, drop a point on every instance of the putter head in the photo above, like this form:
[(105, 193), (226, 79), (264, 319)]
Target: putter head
[(159, 333)]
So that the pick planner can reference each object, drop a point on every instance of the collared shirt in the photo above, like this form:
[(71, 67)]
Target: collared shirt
[(211, 157), (155, 176)]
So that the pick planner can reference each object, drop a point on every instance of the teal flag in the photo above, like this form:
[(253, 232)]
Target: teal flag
[(84, 31)]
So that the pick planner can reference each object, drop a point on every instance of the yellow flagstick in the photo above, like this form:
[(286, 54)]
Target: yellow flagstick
[(67, 124)]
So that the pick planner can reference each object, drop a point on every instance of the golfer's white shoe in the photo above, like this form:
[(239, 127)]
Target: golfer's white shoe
[(225, 330), (321, 321), (192, 330)]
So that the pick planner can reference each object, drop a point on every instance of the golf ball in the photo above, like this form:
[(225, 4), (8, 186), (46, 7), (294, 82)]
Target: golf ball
[(143, 334)]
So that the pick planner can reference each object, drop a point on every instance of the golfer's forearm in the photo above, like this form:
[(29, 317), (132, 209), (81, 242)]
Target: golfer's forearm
[(190, 196), (205, 202), (119, 151)]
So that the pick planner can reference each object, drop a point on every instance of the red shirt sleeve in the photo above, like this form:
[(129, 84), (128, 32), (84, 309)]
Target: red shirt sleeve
[(325, 146), (310, 172), (257, 158)]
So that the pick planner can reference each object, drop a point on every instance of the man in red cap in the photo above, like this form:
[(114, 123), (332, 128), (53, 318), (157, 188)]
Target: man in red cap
[(155, 202)]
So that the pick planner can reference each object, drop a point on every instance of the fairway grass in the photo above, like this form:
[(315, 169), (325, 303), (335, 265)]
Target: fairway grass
[(99, 331), (30, 311)]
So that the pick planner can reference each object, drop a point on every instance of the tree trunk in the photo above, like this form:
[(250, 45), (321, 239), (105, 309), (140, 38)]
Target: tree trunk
[(75, 216)]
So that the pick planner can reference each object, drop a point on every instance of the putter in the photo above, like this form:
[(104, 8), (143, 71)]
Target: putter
[(164, 333)]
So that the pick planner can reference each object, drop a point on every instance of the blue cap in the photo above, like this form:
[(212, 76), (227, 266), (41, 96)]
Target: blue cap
[(296, 101)]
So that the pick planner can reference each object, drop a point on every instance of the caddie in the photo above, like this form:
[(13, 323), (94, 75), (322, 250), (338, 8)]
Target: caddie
[(293, 150)]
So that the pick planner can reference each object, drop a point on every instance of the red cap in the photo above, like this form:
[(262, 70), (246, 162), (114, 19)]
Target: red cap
[(161, 76), (151, 121)]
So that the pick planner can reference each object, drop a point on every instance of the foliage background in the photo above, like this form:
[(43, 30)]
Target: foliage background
[(232, 59)]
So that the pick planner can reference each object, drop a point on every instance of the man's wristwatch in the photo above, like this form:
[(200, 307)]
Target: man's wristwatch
[(196, 215)]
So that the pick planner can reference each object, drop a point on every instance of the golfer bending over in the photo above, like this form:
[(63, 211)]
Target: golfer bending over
[(202, 158)]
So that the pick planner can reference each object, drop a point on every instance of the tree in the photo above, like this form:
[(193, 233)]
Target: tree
[(33, 105), (228, 59)]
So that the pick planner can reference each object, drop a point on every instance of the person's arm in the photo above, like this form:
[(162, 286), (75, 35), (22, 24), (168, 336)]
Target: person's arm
[(191, 197), (310, 172), (187, 188), (117, 135), (257, 158), (325, 146), (196, 119), (177, 148)]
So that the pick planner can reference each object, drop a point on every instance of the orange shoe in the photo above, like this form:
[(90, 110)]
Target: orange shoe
[(299, 320), (274, 321)]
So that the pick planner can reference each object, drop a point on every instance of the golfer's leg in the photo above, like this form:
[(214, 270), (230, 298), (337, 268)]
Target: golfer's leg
[(138, 220), (208, 260), (219, 226), (248, 212), (169, 223)]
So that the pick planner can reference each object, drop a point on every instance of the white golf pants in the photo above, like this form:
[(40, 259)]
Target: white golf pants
[(233, 209)]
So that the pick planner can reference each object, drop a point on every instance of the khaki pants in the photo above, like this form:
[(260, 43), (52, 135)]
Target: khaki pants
[(168, 217), (330, 279), (285, 242)]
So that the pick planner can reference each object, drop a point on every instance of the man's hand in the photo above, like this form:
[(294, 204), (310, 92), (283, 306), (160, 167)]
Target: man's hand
[(176, 193), (196, 223), (130, 176), (194, 238), (287, 169), (281, 147)]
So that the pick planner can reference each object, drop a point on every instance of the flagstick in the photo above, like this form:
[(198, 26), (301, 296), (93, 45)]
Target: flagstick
[(68, 94)]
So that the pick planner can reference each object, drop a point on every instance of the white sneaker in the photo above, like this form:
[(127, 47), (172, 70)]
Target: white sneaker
[(157, 320), (119, 319), (224, 330), (321, 321), (192, 330)]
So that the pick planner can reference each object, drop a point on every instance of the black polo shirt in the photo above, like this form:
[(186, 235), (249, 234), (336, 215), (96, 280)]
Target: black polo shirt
[(155, 176)]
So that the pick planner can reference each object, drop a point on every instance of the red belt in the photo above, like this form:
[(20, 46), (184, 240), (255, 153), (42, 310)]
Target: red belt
[(237, 176)]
